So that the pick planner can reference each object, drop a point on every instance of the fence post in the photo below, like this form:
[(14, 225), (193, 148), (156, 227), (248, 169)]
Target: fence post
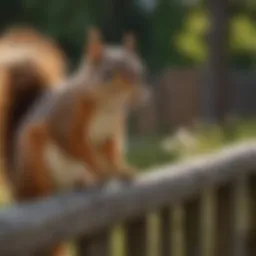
[(225, 220), (192, 227), (95, 245), (165, 241), (252, 217), (136, 237)]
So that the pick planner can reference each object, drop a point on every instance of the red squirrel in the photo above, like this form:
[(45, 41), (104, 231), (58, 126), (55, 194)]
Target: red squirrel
[(75, 135)]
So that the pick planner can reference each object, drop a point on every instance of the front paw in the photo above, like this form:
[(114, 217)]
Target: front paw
[(127, 173), (104, 175), (87, 180)]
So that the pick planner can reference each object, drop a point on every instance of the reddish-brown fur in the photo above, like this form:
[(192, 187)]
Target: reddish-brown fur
[(103, 160), (81, 119), (33, 181)]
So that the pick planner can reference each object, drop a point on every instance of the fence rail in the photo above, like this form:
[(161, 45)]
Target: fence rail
[(27, 228)]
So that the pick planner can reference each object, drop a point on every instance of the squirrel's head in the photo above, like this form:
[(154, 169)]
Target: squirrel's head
[(120, 67)]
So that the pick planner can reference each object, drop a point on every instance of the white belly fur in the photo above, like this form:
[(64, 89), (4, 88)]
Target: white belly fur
[(64, 170), (105, 122)]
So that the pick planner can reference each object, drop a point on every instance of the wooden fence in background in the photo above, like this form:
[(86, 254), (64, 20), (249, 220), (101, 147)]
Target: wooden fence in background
[(226, 179), (182, 96)]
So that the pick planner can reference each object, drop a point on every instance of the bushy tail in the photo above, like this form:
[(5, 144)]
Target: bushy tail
[(30, 64), (19, 44)]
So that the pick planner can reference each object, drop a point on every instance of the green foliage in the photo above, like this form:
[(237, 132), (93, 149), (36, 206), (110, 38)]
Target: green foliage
[(67, 21), (167, 20), (243, 34), (148, 152), (171, 34), (191, 39)]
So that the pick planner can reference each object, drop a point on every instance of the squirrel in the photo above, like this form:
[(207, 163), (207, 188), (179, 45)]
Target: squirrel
[(75, 135), (30, 64)]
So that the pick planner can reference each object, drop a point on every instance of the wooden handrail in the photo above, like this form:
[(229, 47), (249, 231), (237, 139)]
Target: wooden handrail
[(36, 225)]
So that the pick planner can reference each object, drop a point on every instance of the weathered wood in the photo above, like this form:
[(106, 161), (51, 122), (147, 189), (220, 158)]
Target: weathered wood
[(208, 221), (136, 237), (178, 239), (165, 241), (251, 243), (225, 222), (95, 245), (91, 211), (192, 227), (241, 217)]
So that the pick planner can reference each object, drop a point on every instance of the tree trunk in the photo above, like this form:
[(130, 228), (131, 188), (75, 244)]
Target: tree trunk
[(218, 70)]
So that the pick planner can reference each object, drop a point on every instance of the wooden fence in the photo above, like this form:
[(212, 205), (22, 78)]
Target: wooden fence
[(227, 180)]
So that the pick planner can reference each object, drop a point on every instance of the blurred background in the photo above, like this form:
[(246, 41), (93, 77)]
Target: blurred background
[(201, 56)]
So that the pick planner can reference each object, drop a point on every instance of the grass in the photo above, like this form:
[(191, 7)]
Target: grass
[(148, 152), (211, 138)]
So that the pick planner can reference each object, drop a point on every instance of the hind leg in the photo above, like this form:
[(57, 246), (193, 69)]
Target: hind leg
[(33, 179)]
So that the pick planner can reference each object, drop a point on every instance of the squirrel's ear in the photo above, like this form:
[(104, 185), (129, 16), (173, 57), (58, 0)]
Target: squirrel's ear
[(129, 41), (94, 44)]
